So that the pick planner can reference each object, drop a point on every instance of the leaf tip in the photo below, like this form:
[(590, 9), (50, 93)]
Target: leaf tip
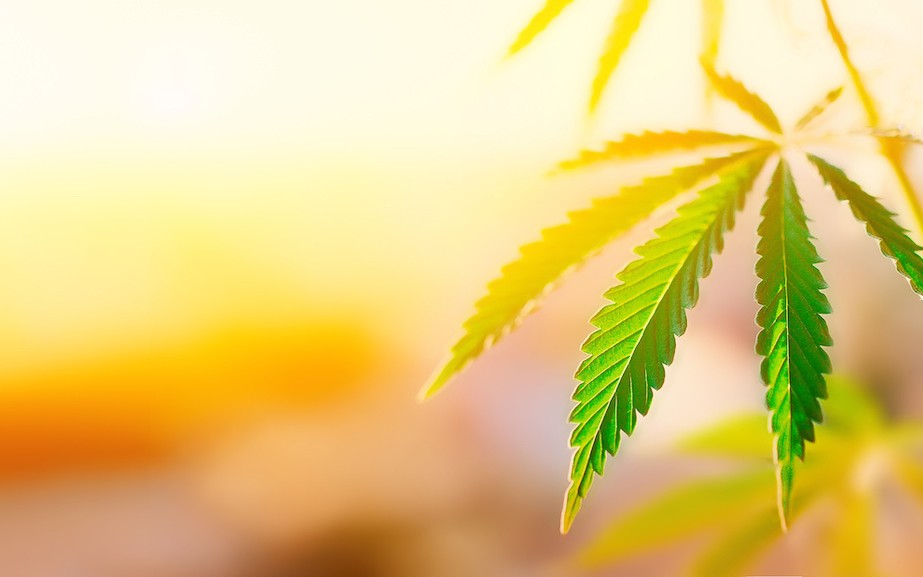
[(785, 481), (440, 377), (572, 502)]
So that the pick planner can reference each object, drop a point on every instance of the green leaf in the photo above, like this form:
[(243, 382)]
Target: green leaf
[(626, 24), (879, 222), (747, 101), (537, 25), (793, 330), (649, 143), (522, 283), (712, 22), (682, 512), (636, 334), (740, 437), (818, 108)]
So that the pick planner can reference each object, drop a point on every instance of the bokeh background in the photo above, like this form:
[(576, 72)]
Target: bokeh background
[(236, 237)]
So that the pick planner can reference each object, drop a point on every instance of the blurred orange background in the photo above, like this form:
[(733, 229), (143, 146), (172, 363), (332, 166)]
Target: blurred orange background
[(235, 237)]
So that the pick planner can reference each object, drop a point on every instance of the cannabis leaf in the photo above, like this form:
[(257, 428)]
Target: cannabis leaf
[(818, 108), (625, 25), (636, 334), (712, 22), (748, 102), (793, 330), (522, 283), (627, 21), (879, 221), (539, 22), (650, 143), (888, 150)]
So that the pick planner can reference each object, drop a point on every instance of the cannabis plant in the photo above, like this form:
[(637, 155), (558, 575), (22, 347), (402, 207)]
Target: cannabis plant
[(635, 332)]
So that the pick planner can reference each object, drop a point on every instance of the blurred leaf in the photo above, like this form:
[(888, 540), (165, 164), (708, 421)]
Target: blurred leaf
[(682, 512), (910, 474), (895, 136), (649, 143), (626, 24), (748, 102), (852, 544), (837, 37), (539, 22), (741, 545), (744, 436), (636, 335), (879, 222), (793, 330), (850, 410), (712, 22), (889, 149), (819, 108), (522, 283)]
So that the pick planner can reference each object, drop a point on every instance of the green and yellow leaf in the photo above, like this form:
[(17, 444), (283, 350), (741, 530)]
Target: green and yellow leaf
[(740, 437), (522, 283), (890, 150), (751, 104), (551, 10), (818, 108), (712, 23), (636, 334), (879, 222), (895, 136), (681, 513), (793, 331), (650, 143), (851, 547), (626, 24)]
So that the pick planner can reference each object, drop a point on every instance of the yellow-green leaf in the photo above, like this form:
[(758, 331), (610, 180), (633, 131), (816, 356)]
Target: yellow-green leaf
[(551, 10), (740, 437), (818, 108), (626, 24), (747, 101), (683, 512), (712, 23), (650, 143), (522, 283), (879, 222)]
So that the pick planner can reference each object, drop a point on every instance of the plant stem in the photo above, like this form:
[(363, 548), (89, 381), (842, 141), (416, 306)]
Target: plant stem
[(891, 152)]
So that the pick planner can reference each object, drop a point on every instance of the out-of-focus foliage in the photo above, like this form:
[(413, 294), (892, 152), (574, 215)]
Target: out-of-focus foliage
[(731, 510), (628, 19), (747, 101)]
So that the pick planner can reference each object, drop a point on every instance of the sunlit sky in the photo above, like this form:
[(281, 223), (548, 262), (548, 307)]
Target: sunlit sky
[(169, 165)]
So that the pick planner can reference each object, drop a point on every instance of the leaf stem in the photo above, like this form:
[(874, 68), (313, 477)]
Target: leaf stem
[(889, 151)]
